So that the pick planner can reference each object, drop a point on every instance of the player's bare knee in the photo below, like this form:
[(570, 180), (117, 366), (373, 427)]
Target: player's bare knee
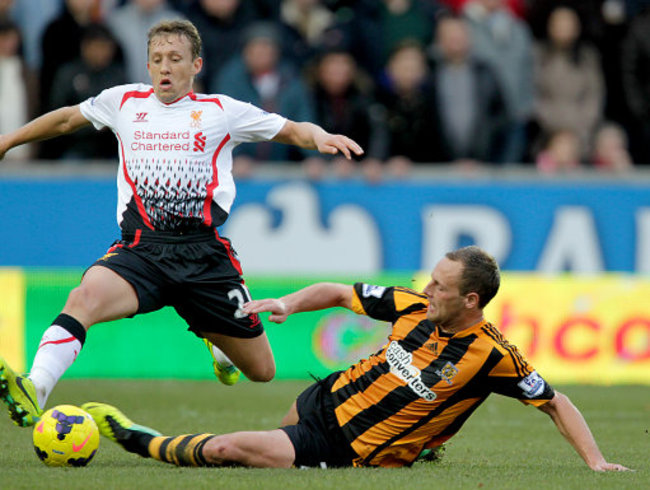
[(221, 449), (80, 300), (83, 305)]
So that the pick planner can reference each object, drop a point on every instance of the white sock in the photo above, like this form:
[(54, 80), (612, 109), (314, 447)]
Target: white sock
[(56, 353), (221, 357)]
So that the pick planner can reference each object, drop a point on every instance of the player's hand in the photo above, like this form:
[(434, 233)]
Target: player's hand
[(337, 143), (277, 308), (605, 466)]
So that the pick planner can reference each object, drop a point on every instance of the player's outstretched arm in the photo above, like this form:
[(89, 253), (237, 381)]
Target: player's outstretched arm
[(58, 122), (315, 297), (313, 137), (574, 428)]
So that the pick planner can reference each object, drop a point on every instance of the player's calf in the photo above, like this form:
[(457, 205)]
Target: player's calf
[(184, 450), (257, 449), (262, 374)]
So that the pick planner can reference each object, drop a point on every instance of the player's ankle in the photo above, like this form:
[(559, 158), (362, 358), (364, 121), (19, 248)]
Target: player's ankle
[(136, 442), (43, 383)]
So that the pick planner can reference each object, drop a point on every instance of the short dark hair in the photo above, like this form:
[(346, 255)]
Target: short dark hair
[(480, 273), (180, 27), (9, 26), (261, 29), (97, 32)]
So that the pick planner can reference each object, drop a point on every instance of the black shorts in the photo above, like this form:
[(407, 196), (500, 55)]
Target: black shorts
[(197, 273), (317, 437)]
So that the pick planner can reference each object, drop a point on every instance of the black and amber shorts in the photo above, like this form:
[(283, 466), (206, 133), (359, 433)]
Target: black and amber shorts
[(317, 437), (197, 273)]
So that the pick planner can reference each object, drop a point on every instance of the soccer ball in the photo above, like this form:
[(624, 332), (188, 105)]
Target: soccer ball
[(66, 436)]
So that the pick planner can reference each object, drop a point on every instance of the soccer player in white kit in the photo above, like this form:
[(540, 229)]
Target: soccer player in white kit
[(175, 187)]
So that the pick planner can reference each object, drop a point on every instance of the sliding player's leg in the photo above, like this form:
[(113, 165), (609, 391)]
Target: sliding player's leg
[(261, 449), (291, 417), (313, 439), (264, 449)]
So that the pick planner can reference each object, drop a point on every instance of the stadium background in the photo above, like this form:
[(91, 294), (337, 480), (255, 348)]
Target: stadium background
[(573, 242), (574, 246), (575, 255)]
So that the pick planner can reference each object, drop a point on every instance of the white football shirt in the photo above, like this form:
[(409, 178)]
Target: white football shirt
[(176, 159)]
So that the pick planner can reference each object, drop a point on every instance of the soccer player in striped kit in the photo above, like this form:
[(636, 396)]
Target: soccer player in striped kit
[(441, 361), (175, 187)]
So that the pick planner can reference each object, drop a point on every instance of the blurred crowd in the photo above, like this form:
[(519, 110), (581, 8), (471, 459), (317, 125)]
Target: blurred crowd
[(560, 86)]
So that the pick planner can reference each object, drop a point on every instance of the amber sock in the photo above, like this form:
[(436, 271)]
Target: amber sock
[(185, 450)]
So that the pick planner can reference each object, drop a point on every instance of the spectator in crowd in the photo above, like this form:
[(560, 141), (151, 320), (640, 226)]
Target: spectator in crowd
[(408, 101), (308, 22), (15, 82), (505, 42), (561, 153), (469, 106), (592, 15), (560, 84), (265, 9), (260, 76), (604, 25), (610, 46), (635, 7), (517, 7), (220, 23), (5, 10), (309, 17), (636, 84), (33, 17), (379, 26), (610, 149), (60, 44), (568, 80), (95, 70), (103, 7), (344, 105), (130, 25)]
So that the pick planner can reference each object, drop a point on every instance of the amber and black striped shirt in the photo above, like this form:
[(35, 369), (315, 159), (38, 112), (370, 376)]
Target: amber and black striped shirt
[(419, 389)]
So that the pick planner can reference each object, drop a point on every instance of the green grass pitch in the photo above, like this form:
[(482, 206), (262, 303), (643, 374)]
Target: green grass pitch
[(503, 445)]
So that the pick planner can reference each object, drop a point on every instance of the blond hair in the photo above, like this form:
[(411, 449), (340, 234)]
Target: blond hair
[(180, 27)]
